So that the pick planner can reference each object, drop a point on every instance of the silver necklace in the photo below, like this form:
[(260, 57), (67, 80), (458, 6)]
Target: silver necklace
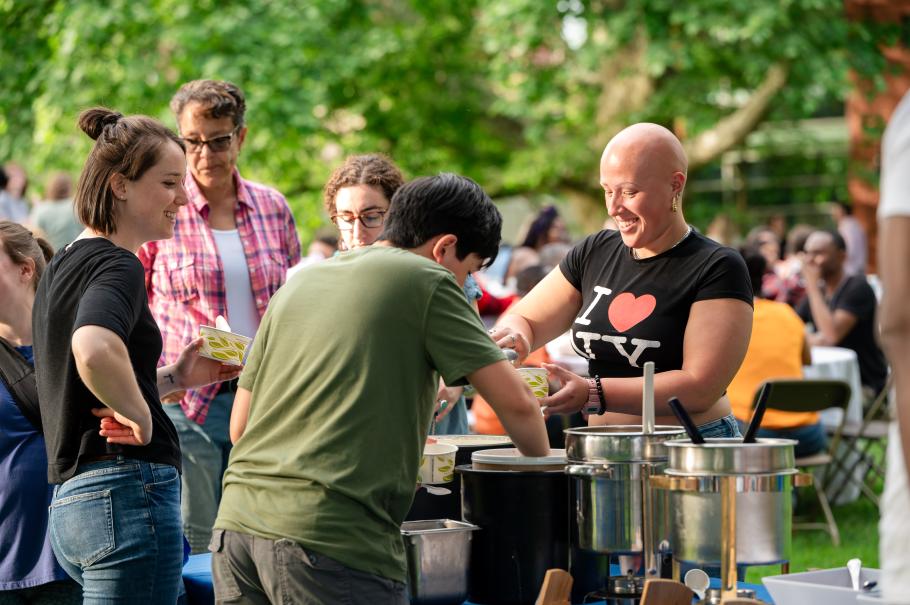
[(681, 240)]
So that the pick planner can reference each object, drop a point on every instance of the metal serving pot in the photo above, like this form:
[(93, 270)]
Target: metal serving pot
[(759, 475), (617, 510)]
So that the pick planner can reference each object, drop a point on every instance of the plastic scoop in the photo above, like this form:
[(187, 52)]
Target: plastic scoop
[(854, 566), (222, 324), (437, 491), (757, 414), (697, 580), (685, 420), (647, 400)]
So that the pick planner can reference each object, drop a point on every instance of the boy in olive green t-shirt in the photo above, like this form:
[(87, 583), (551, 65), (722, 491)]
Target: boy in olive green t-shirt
[(340, 388)]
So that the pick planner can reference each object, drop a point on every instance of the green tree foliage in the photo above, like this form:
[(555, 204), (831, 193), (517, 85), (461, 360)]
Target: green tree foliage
[(519, 94)]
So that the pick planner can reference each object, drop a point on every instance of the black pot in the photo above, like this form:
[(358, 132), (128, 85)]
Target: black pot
[(524, 521), (428, 506)]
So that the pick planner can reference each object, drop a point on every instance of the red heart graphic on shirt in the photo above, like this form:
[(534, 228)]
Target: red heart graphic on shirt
[(625, 311)]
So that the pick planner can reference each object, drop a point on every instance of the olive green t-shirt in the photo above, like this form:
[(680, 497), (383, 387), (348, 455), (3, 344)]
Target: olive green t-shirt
[(344, 373)]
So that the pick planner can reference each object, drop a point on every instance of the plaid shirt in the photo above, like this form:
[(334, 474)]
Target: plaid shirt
[(185, 280)]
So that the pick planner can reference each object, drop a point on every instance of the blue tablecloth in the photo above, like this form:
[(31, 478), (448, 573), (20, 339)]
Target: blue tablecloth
[(197, 577)]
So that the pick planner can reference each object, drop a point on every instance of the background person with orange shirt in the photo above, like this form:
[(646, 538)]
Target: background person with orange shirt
[(777, 349)]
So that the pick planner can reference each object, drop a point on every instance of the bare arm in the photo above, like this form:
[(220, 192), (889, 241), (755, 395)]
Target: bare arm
[(103, 364), (240, 413), (830, 327), (716, 339), (807, 351), (546, 312), (192, 370), (518, 410), (894, 315)]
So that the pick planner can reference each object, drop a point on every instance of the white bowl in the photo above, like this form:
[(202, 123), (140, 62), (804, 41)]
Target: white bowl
[(437, 465), (226, 347), (827, 586)]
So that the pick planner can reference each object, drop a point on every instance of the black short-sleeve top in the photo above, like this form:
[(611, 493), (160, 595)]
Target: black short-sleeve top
[(636, 310), (94, 282)]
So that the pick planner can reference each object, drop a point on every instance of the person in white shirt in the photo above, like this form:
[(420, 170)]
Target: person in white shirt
[(894, 314)]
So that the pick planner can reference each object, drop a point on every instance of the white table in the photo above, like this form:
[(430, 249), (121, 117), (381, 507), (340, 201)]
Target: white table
[(838, 363)]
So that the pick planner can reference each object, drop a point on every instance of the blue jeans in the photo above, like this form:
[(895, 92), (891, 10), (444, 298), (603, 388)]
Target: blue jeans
[(812, 438), (115, 529), (205, 449), (722, 427)]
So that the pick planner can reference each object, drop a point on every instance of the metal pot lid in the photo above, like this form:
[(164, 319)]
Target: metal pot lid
[(510, 456), (730, 456), (474, 440), (620, 443)]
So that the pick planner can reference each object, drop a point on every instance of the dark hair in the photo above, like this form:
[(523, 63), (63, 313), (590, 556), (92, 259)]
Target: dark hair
[(3, 178), (757, 265), (539, 227), (328, 240), (59, 186), (753, 238), (123, 145), (19, 244), (219, 98), (836, 237), (846, 207), (374, 169), (796, 238), (529, 277), (446, 203)]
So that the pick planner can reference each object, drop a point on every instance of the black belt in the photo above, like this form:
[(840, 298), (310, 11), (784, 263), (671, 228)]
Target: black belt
[(228, 386)]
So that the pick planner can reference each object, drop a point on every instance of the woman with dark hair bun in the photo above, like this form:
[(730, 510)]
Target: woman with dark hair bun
[(115, 516)]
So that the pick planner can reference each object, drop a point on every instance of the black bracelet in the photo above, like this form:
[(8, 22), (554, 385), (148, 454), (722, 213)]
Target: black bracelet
[(600, 395)]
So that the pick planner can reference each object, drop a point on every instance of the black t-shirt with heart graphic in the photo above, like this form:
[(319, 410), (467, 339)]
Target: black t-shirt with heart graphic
[(634, 310)]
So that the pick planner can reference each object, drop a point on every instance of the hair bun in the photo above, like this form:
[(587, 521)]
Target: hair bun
[(93, 121)]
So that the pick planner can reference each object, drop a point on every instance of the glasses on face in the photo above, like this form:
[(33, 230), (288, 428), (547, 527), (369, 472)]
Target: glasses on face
[(371, 219), (216, 144)]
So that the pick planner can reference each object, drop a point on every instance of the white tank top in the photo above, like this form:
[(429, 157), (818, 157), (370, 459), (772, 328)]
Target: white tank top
[(241, 308)]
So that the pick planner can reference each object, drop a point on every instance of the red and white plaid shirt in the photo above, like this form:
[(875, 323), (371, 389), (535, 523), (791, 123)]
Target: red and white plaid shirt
[(185, 279)]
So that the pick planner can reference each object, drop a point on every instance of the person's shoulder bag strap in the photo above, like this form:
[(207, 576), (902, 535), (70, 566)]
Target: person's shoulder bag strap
[(19, 377)]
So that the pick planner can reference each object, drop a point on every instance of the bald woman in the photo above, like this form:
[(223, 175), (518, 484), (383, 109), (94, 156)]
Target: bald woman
[(655, 290)]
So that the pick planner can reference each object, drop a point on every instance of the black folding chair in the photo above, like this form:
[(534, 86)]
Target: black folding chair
[(861, 461), (811, 396)]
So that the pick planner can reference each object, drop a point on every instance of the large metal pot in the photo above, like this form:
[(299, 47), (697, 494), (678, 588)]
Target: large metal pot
[(524, 521), (761, 476), (610, 467)]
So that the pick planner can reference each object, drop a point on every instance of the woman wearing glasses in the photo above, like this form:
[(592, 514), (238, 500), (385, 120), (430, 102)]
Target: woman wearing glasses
[(233, 243), (357, 197)]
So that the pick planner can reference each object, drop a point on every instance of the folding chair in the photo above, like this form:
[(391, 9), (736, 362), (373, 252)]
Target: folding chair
[(860, 462), (811, 396)]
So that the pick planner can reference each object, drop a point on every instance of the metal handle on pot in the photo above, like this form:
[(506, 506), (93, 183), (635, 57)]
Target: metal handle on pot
[(803, 479), (678, 484)]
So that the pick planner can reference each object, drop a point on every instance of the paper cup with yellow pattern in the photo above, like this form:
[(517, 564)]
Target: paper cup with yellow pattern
[(224, 346), (536, 379), (437, 465)]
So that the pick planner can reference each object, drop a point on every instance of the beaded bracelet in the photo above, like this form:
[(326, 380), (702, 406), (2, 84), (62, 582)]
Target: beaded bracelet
[(600, 395)]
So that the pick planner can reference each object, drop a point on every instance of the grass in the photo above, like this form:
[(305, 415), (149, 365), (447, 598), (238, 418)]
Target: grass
[(813, 549)]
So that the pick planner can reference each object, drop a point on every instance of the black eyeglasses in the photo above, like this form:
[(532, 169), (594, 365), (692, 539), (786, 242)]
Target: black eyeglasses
[(215, 144), (371, 219)]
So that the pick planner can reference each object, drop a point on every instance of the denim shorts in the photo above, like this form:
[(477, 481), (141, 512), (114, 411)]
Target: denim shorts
[(115, 528), (722, 427)]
